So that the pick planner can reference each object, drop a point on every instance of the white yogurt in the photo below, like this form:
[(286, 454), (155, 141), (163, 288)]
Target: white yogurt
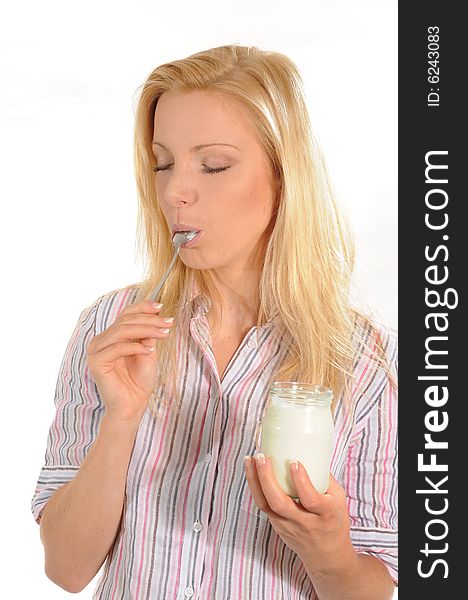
[(298, 425)]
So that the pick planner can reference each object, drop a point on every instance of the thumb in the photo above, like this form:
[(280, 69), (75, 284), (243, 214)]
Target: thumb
[(334, 488)]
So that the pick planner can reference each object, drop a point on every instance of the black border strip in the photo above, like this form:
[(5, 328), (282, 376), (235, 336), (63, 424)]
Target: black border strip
[(432, 318)]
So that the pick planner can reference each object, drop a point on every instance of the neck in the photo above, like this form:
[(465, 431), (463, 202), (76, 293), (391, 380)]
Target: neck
[(237, 290)]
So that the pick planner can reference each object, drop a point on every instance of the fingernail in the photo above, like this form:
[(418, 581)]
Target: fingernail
[(165, 330), (169, 320), (260, 458), (247, 461), (294, 466), (157, 304)]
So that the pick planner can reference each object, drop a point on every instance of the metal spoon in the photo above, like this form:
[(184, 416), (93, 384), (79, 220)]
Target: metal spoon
[(179, 238)]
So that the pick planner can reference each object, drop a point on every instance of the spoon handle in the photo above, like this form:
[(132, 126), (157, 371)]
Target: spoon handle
[(155, 293)]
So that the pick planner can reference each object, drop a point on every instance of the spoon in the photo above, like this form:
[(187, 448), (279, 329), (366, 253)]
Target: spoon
[(178, 239)]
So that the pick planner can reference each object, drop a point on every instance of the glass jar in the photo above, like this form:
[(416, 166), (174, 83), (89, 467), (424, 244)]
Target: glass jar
[(298, 425)]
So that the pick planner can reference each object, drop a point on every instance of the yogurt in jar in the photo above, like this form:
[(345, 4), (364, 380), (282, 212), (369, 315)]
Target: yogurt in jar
[(298, 425)]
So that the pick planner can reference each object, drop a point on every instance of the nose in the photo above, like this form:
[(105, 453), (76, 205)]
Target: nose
[(178, 189)]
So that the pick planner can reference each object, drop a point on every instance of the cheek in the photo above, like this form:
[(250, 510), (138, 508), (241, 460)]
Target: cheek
[(159, 193), (260, 202), (253, 195), (248, 207)]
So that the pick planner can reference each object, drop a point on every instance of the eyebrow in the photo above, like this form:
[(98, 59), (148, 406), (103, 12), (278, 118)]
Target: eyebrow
[(200, 146)]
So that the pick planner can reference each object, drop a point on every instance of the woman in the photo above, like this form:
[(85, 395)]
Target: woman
[(144, 463)]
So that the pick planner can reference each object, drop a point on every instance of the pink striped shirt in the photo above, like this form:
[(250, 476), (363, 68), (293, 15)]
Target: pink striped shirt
[(190, 527)]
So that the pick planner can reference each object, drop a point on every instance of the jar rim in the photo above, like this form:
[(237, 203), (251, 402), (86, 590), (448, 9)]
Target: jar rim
[(302, 390)]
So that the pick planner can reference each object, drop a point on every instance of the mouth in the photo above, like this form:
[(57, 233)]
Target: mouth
[(183, 228), (193, 241)]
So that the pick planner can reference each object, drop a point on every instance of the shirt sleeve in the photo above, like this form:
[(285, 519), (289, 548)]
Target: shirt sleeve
[(371, 471), (78, 413)]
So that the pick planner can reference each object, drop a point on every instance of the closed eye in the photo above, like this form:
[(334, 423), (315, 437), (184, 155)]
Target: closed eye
[(218, 170), (205, 169), (161, 168)]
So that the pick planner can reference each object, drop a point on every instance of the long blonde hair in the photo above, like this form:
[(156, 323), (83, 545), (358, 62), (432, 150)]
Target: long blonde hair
[(309, 259)]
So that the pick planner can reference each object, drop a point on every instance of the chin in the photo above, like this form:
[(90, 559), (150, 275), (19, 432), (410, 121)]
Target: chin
[(195, 261)]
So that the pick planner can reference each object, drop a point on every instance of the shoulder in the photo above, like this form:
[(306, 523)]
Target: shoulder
[(375, 367), (107, 307), (374, 340)]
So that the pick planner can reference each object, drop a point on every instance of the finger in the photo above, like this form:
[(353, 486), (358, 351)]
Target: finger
[(254, 485), (276, 498), (146, 306), (312, 500), (116, 351), (143, 319), (335, 489), (126, 333), (148, 341)]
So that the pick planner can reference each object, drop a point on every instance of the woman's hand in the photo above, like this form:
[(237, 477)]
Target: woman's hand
[(316, 528), (122, 363)]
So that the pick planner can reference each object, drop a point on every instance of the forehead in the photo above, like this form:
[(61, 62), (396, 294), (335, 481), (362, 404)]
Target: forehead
[(200, 114)]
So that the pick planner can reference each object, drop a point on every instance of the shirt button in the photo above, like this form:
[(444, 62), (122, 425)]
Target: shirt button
[(197, 526), (208, 458), (188, 592), (251, 344)]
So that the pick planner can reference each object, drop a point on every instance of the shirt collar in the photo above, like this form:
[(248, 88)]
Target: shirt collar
[(200, 303), (197, 301)]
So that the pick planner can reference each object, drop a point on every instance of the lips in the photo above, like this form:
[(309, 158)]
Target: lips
[(194, 241), (184, 227)]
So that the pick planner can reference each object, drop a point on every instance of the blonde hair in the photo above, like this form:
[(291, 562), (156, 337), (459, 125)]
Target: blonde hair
[(309, 258)]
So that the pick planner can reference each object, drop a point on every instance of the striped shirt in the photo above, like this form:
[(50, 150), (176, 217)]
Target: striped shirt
[(190, 527)]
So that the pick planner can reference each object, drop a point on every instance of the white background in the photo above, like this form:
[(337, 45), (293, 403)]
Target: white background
[(69, 72)]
